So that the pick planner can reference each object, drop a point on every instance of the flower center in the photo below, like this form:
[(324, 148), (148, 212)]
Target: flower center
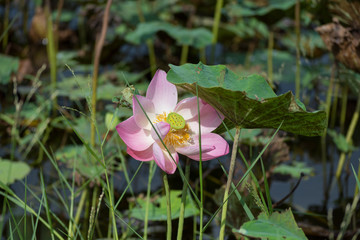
[(179, 134), (176, 121)]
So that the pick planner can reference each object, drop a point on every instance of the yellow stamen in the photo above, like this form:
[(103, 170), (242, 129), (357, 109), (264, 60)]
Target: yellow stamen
[(175, 137)]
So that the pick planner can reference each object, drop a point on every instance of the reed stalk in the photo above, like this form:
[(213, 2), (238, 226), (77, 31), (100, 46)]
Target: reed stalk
[(183, 201), (168, 206), (147, 204), (149, 42), (297, 32), (215, 29), (228, 184), (270, 58), (349, 134)]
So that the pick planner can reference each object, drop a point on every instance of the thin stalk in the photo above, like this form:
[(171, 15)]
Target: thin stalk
[(151, 173), (6, 24), (335, 103), (349, 135), (217, 15), (25, 200), (51, 51), (215, 30), (228, 183), (168, 206), (183, 201), (328, 99), (80, 208), (270, 58), (344, 96), (200, 171), (149, 42), (98, 50), (71, 212), (202, 55), (297, 32), (184, 54), (46, 205)]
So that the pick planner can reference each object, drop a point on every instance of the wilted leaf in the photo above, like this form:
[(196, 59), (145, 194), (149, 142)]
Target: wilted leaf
[(274, 227), (11, 171), (248, 102)]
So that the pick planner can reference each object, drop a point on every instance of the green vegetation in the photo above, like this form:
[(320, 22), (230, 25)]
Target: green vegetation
[(284, 75)]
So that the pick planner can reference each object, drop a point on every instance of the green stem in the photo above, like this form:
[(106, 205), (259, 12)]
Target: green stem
[(349, 135), (152, 56), (202, 55), (149, 42), (200, 171), (183, 201), (344, 96), (6, 24), (297, 31), (168, 206), (151, 171), (215, 30), (98, 50), (270, 58), (80, 208), (228, 183), (184, 54), (328, 99), (51, 52), (335, 103)]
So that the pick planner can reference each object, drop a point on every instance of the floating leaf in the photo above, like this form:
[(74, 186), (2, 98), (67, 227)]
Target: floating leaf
[(274, 227), (8, 65), (294, 170), (11, 171), (158, 211), (198, 37), (247, 102), (249, 8), (340, 141)]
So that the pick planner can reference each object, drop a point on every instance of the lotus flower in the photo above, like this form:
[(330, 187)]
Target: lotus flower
[(175, 123)]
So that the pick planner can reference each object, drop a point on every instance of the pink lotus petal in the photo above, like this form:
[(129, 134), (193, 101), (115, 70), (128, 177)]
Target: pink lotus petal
[(139, 115), (163, 159), (145, 155), (221, 146), (134, 137), (162, 129), (162, 93), (194, 149), (209, 120), (187, 107)]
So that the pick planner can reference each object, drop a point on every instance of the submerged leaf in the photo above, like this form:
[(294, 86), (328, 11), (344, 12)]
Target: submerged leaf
[(273, 227), (11, 171), (248, 102)]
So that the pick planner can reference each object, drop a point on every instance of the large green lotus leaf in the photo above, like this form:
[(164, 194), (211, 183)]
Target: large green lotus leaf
[(11, 171), (247, 102), (158, 210), (198, 37), (274, 227), (8, 65)]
